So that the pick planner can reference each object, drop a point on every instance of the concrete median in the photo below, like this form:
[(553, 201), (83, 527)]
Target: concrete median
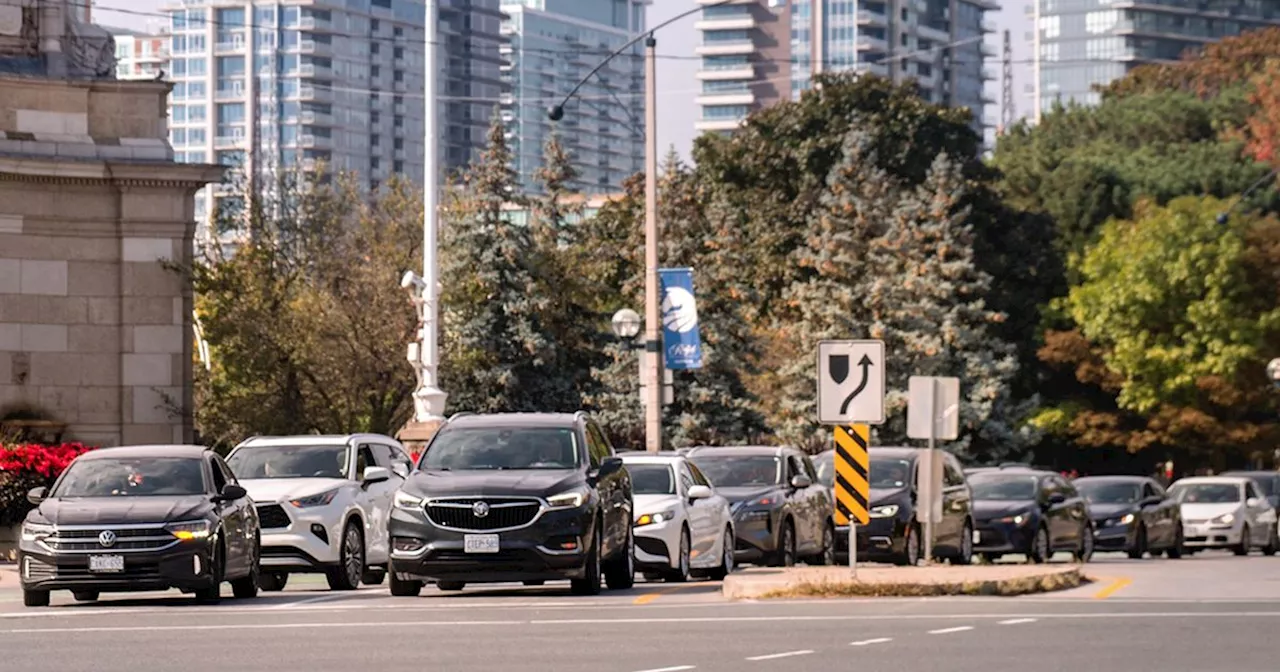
[(930, 581)]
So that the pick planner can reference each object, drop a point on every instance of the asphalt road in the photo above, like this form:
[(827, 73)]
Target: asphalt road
[(1211, 612)]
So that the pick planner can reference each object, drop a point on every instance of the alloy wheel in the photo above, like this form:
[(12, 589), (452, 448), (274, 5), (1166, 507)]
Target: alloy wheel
[(354, 564)]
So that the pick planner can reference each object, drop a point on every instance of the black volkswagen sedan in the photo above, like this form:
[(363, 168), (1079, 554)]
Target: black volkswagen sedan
[(1031, 512), (1132, 514), (140, 518), (893, 533), (529, 497)]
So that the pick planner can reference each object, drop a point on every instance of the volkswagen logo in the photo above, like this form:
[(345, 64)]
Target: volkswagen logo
[(107, 538), (480, 509)]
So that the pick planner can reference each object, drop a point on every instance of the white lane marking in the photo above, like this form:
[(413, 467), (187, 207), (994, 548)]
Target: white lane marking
[(245, 626), (1016, 621), (311, 600), (775, 656), (866, 642), (947, 631), (677, 668)]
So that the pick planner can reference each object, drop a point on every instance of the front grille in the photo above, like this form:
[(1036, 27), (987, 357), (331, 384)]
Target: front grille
[(130, 539), (460, 514), (39, 571), (272, 516), (1195, 522)]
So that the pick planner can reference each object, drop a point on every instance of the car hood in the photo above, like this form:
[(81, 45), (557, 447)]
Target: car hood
[(985, 509), (487, 483), (1105, 511), (746, 494), (655, 503), (120, 510), (285, 489), (1198, 511)]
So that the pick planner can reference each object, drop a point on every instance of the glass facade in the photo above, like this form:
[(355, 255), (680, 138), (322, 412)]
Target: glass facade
[(1084, 44)]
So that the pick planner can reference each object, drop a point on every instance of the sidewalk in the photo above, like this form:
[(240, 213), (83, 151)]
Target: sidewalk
[(878, 581), (8, 573)]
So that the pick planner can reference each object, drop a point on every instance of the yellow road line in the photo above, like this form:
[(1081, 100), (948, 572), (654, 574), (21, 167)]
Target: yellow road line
[(1112, 588), (649, 597)]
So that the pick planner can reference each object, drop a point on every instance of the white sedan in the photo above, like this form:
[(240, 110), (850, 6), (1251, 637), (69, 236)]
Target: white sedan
[(682, 526), (1225, 512)]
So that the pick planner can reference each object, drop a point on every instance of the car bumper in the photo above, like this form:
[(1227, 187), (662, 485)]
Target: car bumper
[(532, 553), (756, 536), (1211, 536), (1114, 538), (310, 541), (185, 566), (996, 537), (657, 546), (879, 538)]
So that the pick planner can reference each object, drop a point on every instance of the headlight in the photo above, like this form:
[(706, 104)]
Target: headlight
[(1125, 519), (1224, 519), (35, 531), (321, 499), (656, 518), (886, 511), (1016, 520), (568, 500), (404, 500), (188, 531)]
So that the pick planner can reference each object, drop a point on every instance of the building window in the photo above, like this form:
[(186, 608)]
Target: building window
[(722, 112), (397, 166), (718, 36), (1050, 26)]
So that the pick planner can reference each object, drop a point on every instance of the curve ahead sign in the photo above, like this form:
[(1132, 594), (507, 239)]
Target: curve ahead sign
[(680, 333)]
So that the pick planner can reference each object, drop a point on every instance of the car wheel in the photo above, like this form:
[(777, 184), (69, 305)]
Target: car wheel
[(1139, 547), (726, 557), (346, 576), (35, 598), (1272, 544), (402, 587), (212, 594), (373, 577), (451, 586), (589, 584), (1246, 544), (1177, 550), (620, 572), (273, 581), (246, 587), (966, 546), (786, 555), (1085, 552), (1040, 552), (85, 595), (827, 556), (911, 550), (680, 573)]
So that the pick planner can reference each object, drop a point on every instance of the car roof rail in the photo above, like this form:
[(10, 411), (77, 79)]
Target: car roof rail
[(459, 414)]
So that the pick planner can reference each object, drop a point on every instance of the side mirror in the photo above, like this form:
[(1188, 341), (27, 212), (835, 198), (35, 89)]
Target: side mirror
[(375, 475), (1057, 498), (230, 493), (609, 467), (700, 492), (1252, 502), (37, 495), (801, 481)]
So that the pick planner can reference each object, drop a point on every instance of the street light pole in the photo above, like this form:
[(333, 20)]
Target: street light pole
[(428, 399)]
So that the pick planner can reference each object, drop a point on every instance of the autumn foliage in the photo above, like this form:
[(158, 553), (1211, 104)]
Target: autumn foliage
[(27, 466)]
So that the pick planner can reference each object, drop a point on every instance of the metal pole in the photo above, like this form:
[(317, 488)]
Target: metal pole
[(929, 464), (428, 399), (652, 312), (853, 548)]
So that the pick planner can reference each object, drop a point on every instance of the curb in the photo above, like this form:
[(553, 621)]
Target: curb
[(1049, 581)]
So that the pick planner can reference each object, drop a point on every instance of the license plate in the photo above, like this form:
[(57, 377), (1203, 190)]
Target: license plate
[(480, 543), (106, 563)]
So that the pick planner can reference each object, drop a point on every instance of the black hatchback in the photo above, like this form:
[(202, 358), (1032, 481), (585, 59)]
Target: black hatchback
[(1031, 512)]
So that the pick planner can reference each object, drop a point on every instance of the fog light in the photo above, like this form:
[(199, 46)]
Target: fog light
[(318, 530), (569, 546), (195, 564), (406, 544)]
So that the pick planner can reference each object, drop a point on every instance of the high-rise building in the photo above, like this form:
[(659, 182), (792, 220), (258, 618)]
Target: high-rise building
[(1080, 45), (553, 45), (757, 52), (140, 55), (268, 85)]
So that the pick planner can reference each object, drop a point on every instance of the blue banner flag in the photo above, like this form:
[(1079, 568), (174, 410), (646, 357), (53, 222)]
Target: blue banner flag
[(680, 334)]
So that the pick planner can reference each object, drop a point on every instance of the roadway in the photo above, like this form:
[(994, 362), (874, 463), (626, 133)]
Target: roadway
[(1209, 612)]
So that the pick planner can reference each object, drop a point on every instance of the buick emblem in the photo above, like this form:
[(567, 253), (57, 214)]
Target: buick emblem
[(480, 509), (107, 538)]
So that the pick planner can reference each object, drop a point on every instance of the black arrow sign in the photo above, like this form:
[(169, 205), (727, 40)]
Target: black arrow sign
[(865, 363)]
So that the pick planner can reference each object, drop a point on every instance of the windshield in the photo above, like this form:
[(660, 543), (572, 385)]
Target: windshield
[(289, 462), (652, 479), (1205, 493), (132, 477), (1003, 487), (487, 448), (886, 473), (1110, 493), (1265, 484), (739, 471)]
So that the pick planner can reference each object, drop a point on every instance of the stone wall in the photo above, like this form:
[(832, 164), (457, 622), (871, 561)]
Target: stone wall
[(95, 331)]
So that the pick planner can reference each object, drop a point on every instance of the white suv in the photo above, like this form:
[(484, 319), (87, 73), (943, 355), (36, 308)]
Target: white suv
[(323, 503)]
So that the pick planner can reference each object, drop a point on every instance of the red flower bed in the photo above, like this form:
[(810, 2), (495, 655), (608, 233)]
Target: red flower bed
[(23, 467)]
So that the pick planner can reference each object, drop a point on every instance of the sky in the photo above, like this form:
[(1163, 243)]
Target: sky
[(677, 85)]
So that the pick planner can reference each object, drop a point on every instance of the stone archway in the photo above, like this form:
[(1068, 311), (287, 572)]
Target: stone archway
[(26, 423)]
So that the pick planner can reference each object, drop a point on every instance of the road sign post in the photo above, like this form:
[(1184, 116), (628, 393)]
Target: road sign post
[(851, 397), (933, 413)]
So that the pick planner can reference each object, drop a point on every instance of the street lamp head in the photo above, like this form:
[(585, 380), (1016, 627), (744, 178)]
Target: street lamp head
[(555, 113), (626, 323), (412, 281)]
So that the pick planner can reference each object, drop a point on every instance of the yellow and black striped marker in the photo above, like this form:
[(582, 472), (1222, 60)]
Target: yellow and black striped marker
[(853, 481)]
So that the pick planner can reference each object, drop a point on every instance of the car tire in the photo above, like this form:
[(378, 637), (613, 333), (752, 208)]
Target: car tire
[(827, 556), (346, 576), (1246, 543), (965, 556), (680, 573), (1084, 553), (402, 587), (1040, 550), (35, 598), (85, 595), (212, 594), (1272, 544), (786, 553), (1139, 547), (590, 582), (373, 577), (911, 548), (620, 571), (451, 586), (246, 587), (726, 557), (1177, 550), (273, 582)]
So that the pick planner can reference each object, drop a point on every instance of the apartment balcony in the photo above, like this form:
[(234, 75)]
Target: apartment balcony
[(315, 93), (313, 71), (233, 47), (934, 33), (234, 92), (872, 19), (400, 86), (990, 75), (725, 48), (868, 43), (315, 24), (313, 118), (988, 51), (315, 48), (745, 71), (989, 26), (737, 98), (703, 125), (228, 141), (726, 23)]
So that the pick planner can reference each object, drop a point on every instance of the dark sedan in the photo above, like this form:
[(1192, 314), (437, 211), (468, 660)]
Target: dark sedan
[(1132, 514), (1030, 512), (140, 518)]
